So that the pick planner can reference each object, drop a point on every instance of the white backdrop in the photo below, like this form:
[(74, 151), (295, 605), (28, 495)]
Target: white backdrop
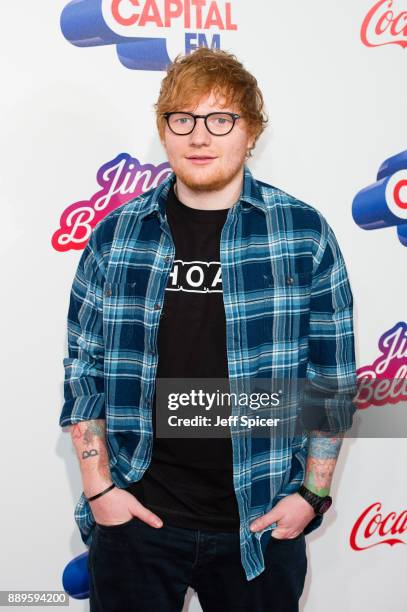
[(337, 111)]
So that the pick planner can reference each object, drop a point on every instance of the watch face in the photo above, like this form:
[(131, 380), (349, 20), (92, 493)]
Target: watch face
[(325, 505)]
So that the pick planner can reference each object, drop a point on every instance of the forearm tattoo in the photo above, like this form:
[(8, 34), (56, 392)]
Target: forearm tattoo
[(322, 457), (90, 440)]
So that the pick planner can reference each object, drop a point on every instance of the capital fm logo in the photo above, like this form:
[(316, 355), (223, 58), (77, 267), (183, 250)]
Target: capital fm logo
[(385, 24), (374, 527), (148, 34), (120, 179), (384, 203)]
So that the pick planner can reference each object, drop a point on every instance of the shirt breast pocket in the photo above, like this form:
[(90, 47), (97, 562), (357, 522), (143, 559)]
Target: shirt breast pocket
[(124, 315), (286, 305)]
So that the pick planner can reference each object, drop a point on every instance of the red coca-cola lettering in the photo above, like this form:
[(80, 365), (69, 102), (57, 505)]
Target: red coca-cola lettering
[(371, 522), (383, 26)]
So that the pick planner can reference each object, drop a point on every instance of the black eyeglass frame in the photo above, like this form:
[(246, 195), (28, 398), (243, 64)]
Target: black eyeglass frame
[(234, 116)]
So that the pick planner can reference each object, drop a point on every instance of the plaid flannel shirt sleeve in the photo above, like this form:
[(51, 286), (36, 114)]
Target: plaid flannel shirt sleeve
[(84, 379), (331, 382)]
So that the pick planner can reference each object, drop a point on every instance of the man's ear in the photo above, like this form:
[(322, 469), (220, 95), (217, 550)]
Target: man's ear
[(161, 136), (249, 137), (250, 142)]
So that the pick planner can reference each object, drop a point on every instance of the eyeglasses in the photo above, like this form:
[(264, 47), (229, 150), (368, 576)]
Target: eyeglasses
[(218, 124)]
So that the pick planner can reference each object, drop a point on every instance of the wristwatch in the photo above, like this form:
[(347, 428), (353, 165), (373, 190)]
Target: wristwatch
[(320, 504)]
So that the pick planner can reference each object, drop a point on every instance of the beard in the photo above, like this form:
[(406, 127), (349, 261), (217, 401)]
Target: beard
[(208, 179)]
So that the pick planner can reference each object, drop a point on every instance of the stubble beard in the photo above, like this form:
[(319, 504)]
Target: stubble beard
[(213, 181)]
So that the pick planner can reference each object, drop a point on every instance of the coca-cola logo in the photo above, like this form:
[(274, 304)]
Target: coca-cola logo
[(385, 24), (121, 179), (374, 527), (385, 380)]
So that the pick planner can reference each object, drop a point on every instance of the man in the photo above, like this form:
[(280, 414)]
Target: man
[(212, 274)]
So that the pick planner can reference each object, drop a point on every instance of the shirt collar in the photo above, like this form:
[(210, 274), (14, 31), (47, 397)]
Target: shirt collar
[(250, 194)]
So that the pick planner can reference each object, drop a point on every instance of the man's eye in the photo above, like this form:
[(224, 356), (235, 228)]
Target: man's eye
[(220, 120)]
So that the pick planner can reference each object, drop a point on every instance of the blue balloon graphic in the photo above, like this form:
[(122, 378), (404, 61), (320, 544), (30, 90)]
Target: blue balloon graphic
[(75, 578), (83, 25), (380, 205)]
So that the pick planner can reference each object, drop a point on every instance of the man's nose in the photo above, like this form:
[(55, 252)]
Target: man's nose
[(200, 134)]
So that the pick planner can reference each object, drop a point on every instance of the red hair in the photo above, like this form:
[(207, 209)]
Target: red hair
[(191, 77)]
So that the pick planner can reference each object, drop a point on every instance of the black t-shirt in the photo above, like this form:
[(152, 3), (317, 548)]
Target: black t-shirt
[(189, 482)]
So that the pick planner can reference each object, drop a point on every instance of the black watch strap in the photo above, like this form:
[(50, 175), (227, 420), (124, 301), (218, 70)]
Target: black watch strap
[(320, 504)]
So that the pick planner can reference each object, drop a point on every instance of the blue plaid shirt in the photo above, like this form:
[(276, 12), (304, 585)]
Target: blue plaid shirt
[(289, 314)]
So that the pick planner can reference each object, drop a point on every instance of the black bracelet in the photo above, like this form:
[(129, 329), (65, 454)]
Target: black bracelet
[(101, 493)]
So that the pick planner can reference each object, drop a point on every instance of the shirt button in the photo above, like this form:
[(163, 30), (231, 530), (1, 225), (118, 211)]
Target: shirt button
[(167, 258), (290, 280), (108, 292), (157, 306)]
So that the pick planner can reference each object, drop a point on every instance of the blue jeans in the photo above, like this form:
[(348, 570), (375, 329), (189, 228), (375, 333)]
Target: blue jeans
[(137, 568)]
